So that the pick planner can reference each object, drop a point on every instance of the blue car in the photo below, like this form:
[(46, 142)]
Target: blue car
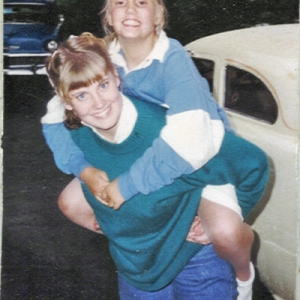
[(31, 30)]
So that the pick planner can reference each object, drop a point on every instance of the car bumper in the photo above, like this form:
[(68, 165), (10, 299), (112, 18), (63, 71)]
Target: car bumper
[(24, 64)]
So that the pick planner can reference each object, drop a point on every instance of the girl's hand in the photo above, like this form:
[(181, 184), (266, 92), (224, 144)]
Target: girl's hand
[(112, 196), (96, 180), (197, 234)]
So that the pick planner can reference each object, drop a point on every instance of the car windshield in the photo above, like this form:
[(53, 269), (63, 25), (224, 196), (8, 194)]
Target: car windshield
[(27, 14)]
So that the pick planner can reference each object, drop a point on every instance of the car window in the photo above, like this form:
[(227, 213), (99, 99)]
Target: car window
[(248, 95), (28, 14), (206, 69)]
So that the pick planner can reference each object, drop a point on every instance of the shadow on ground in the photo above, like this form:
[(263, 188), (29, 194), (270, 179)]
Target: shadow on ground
[(44, 255)]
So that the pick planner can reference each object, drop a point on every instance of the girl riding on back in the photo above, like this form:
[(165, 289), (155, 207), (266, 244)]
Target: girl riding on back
[(157, 69)]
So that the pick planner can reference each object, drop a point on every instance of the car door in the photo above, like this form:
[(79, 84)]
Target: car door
[(255, 111)]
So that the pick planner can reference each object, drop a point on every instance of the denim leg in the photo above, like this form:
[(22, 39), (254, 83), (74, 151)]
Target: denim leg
[(128, 292), (206, 277)]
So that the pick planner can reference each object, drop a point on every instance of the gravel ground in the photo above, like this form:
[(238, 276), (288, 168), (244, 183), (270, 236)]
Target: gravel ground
[(45, 256)]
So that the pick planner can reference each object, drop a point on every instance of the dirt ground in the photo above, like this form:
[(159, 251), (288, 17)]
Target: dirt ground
[(45, 256)]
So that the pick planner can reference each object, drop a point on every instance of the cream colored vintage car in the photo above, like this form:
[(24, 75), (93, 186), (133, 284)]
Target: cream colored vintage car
[(253, 74)]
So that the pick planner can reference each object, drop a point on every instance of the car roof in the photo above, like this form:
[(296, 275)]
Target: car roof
[(272, 51)]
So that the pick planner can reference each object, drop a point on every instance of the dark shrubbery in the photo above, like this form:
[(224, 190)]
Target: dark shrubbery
[(191, 19)]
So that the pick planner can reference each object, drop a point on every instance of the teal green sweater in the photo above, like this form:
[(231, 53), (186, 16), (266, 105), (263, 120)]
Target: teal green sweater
[(147, 234)]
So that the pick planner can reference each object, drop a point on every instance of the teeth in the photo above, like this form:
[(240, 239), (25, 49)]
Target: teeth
[(131, 22), (102, 113)]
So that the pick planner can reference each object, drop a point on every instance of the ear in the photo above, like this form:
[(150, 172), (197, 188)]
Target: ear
[(159, 15), (108, 18), (118, 81), (68, 106), (117, 77), (65, 104)]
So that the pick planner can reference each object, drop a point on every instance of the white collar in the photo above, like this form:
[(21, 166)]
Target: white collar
[(159, 50), (126, 124)]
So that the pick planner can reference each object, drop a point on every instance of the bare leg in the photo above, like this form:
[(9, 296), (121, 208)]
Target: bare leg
[(74, 206), (231, 237)]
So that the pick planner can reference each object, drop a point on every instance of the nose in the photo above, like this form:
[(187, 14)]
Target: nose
[(130, 7), (98, 101)]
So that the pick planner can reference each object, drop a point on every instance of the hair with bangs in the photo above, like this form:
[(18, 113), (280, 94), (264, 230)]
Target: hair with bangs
[(105, 12), (78, 62), (81, 70)]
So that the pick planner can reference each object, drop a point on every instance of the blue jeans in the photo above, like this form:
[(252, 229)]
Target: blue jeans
[(205, 277)]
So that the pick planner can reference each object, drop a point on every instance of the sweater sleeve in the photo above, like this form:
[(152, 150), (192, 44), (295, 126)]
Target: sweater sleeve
[(193, 133), (68, 157)]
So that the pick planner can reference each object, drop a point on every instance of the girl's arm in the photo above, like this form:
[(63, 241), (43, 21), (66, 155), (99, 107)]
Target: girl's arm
[(68, 157), (194, 131)]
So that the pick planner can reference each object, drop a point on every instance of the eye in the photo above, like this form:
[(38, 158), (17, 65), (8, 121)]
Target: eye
[(119, 3), (141, 3), (81, 96), (103, 85)]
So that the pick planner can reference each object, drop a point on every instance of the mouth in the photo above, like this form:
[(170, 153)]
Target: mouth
[(103, 113), (131, 22)]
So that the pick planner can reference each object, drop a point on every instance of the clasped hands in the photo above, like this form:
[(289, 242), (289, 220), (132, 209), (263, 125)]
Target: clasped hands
[(99, 185), (108, 194)]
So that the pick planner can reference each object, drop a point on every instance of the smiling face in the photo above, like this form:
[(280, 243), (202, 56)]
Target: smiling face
[(86, 81), (98, 105), (134, 19)]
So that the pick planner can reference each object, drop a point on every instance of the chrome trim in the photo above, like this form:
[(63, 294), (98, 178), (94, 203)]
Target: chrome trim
[(26, 71), (26, 54)]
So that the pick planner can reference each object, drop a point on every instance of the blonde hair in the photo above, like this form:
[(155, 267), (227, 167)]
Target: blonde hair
[(78, 62), (105, 12)]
